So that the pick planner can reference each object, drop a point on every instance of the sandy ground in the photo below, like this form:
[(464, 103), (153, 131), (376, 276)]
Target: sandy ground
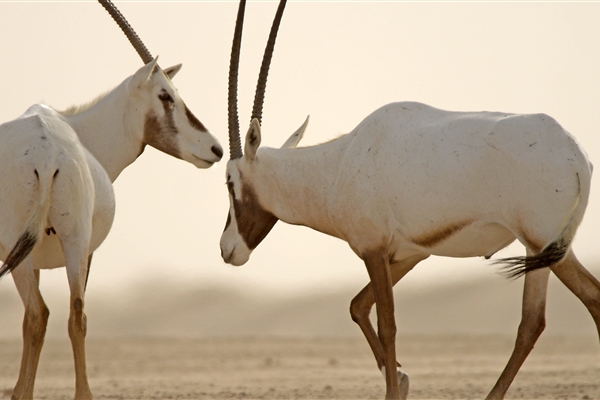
[(163, 340), (441, 367)]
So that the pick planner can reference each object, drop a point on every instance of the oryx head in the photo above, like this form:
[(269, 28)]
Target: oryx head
[(168, 125), (248, 222), (166, 122)]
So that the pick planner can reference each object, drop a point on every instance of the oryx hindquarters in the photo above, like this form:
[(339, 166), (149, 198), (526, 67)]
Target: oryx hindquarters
[(52, 203)]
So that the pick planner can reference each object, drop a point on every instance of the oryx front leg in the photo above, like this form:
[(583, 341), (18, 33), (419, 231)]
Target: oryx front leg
[(533, 322), (360, 308), (381, 282), (34, 327)]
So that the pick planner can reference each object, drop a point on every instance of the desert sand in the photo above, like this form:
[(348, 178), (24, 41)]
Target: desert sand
[(166, 340), (440, 367)]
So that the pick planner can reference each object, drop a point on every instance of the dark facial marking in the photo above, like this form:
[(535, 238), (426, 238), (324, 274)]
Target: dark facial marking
[(253, 221), (232, 194), (159, 136), (168, 106), (194, 122)]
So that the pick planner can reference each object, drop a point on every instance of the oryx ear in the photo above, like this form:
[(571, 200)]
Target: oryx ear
[(143, 74), (252, 140), (172, 71), (296, 136)]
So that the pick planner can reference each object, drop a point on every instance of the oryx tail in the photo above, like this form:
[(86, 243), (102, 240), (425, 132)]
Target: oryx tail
[(34, 227), (555, 251)]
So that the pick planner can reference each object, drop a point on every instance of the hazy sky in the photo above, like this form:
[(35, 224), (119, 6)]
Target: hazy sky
[(337, 61)]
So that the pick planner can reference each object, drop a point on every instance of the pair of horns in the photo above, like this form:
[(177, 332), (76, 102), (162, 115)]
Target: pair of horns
[(128, 30), (235, 142)]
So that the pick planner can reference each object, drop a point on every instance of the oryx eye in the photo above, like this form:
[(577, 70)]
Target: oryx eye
[(164, 96)]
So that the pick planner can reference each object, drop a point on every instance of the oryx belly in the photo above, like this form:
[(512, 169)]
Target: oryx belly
[(478, 239)]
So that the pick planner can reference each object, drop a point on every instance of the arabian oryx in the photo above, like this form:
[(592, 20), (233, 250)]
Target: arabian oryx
[(411, 181), (56, 195)]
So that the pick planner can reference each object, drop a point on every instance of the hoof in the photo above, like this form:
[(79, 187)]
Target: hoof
[(403, 383)]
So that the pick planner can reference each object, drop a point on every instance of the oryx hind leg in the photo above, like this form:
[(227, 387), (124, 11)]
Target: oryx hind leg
[(76, 259), (73, 202), (533, 322), (74, 233), (34, 327), (582, 283)]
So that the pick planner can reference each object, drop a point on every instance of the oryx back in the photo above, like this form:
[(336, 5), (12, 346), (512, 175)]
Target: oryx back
[(462, 183)]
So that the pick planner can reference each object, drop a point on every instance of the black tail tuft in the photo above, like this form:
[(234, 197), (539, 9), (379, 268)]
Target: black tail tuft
[(516, 267), (21, 250)]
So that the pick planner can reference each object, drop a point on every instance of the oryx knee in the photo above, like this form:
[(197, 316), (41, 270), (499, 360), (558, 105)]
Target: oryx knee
[(35, 323), (360, 309), (77, 318)]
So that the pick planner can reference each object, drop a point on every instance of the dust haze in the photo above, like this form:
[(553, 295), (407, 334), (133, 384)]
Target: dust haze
[(159, 308)]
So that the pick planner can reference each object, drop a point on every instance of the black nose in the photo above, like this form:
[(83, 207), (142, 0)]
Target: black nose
[(217, 150)]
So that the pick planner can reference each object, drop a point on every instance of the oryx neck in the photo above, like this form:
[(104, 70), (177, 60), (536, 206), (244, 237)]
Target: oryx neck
[(106, 132), (296, 184)]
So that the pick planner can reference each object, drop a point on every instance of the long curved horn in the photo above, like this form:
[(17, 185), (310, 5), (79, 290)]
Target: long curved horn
[(259, 96), (128, 30), (235, 142)]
